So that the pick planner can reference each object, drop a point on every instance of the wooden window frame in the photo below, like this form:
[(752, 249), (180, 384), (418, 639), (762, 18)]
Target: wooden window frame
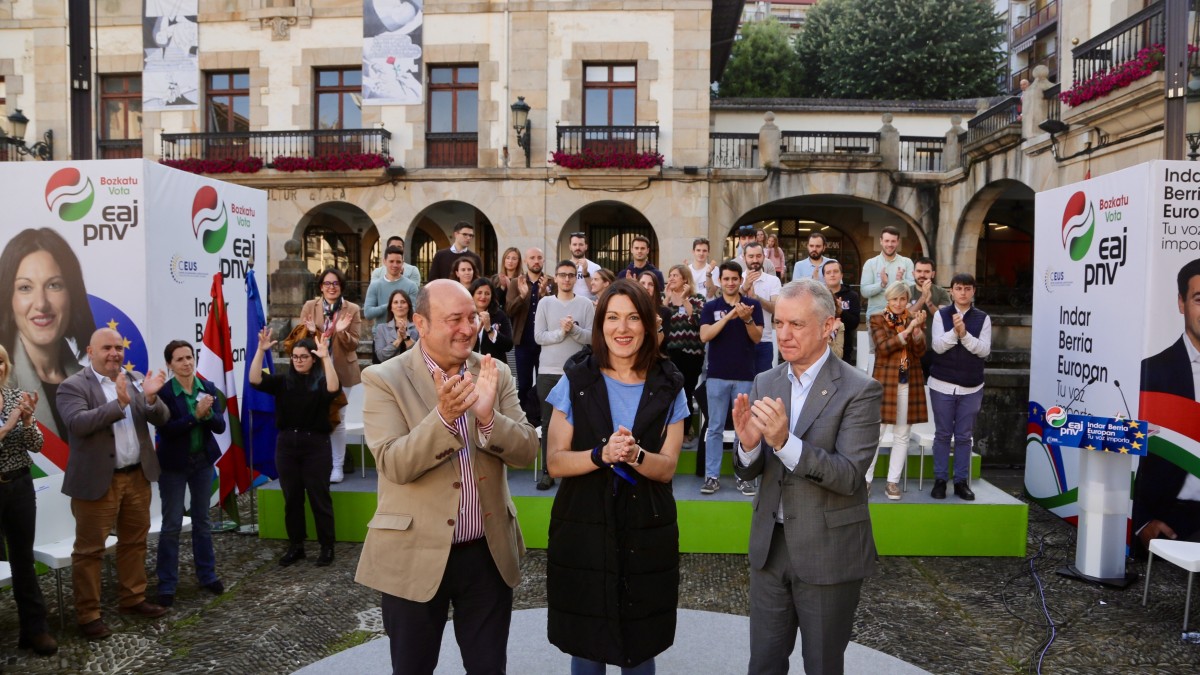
[(609, 86)]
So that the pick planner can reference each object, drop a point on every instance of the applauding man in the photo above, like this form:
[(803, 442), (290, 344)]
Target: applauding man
[(442, 423), (109, 471)]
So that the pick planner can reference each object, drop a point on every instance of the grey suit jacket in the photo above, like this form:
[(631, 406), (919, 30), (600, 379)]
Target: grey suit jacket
[(89, 418), (827, 525)]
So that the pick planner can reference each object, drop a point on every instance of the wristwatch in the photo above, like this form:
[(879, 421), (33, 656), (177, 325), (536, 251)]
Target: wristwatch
[(641, 457)]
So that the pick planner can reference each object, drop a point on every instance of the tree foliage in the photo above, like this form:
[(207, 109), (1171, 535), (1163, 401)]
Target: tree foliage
[(762, 63), (900, 49)]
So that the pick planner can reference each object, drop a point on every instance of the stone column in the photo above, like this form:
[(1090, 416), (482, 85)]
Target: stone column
[(889, 144), (1034, 109), (289, 289), (769, 140), (952, 153)]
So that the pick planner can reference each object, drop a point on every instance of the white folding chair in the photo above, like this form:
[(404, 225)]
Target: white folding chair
[(54, 536), (353, 416), (1183, 554)]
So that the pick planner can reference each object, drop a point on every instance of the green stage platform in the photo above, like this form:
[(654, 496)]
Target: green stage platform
[(917, 525)]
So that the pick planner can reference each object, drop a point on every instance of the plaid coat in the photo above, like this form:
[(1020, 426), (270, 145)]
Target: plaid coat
[(888, 351)]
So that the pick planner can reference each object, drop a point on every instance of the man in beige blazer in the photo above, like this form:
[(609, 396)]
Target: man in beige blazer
[(442, 423)]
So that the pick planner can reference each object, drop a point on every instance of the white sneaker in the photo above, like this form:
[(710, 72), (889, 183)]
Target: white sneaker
[(336, 476)]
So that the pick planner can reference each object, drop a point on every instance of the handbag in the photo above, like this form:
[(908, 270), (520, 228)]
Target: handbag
[(298, 333)]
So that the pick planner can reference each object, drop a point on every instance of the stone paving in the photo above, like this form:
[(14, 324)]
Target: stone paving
[(946, 615)]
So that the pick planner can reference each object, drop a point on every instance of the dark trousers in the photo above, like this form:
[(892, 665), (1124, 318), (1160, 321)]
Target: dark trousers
[(544, 384), (701, 446), (304, 460), (18, 513), (482, 613), (528, 354), (690, 366)]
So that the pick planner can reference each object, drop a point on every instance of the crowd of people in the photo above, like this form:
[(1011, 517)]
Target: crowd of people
[(466, 368)]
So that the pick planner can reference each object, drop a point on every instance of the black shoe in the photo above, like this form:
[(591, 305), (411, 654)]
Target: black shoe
[(939, 489), (546, 482), (216, 588), (42, 644), (166, 599), (963, 492), (326, 557), (293, 554)]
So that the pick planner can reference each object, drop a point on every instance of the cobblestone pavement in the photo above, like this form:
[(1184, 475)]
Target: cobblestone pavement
[(946, 615)]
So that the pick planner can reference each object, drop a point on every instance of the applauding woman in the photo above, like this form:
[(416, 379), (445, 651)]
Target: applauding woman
[(495, 330), (613, 562), (398, 334), (19, 436), (899, 337), (340, 321), (302, 456), (187, 450)]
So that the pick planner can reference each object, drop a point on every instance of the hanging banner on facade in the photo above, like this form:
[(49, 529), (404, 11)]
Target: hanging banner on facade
[(127, 244), (392, 56), (171, 61), (1116, 321)]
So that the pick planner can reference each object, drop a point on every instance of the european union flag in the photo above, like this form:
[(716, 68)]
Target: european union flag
[(258, 409)]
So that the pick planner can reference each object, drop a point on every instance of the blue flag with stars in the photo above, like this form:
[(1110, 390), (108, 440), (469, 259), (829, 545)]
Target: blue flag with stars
[(258, 408)]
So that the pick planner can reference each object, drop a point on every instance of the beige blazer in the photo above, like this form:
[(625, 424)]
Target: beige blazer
[(344, 347), (408, 540)]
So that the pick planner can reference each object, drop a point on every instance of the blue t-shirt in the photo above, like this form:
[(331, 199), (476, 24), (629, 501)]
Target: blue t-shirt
[(623, 402), (731, 353)]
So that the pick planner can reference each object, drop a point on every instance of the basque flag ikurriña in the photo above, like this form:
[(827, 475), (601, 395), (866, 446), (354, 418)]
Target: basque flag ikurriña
[(216, 366), (258, 408)]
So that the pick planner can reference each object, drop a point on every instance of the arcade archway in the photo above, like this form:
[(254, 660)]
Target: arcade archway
[(433, 229)]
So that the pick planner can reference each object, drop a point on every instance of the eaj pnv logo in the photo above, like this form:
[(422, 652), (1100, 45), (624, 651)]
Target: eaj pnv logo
[(210, 222), (1056, 416), (69, 194), (1078, 226)]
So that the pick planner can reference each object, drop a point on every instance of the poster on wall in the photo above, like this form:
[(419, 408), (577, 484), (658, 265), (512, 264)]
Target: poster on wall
[(170, 55), (1090, 259), (392, 57), (125, 244), (1116, 329)]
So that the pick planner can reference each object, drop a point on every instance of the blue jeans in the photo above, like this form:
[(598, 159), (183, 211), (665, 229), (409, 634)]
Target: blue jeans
[(720, 400), (764, 356), (580, 666), (198, 480), (953, 415)]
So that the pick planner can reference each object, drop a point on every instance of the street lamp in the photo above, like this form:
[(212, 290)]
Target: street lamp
[(43, 149), (522, 126)]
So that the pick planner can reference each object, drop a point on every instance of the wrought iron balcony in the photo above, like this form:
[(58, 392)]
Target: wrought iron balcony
[(732, 150), (122, 148), (1026, 73), (832, 142), (267, 145), (1120, 44), (1037, 22), (921, 153), (629, 140), (1005, 116), (451, 150)]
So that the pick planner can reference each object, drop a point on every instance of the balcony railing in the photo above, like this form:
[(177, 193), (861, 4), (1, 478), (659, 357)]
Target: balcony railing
[(732, 150), (1053, 104), (921, 153), (574, 140), (123, 148), (1040, 19), (268, 145), (994, 119), (451, 150), (1026, 73), (831, 142), (1120, 43)]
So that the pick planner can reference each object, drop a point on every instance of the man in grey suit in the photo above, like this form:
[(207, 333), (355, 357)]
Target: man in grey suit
[(809, 427), (109, 470)]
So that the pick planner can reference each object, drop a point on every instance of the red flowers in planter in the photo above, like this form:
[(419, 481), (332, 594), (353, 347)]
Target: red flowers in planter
[(590, 159), (198, 165), (345, 161), (1105, 82)]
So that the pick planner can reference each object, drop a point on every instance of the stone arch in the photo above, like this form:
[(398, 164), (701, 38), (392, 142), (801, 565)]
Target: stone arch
[(1005, 204), (433, 228), (851, 226), (343, 235), (610, 227)]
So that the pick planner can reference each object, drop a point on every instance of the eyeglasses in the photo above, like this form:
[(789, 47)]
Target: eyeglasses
[(301, 357), (565, 275), (330, 284), (581, 235)]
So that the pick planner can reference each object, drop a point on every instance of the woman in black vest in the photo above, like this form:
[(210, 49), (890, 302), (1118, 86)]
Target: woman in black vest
[(612, 577)]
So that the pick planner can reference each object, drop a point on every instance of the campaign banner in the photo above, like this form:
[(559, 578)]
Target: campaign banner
[(118, 244), (393, 60), (1171, 321), (171, 55), (1091, 257), (1097, 434)]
